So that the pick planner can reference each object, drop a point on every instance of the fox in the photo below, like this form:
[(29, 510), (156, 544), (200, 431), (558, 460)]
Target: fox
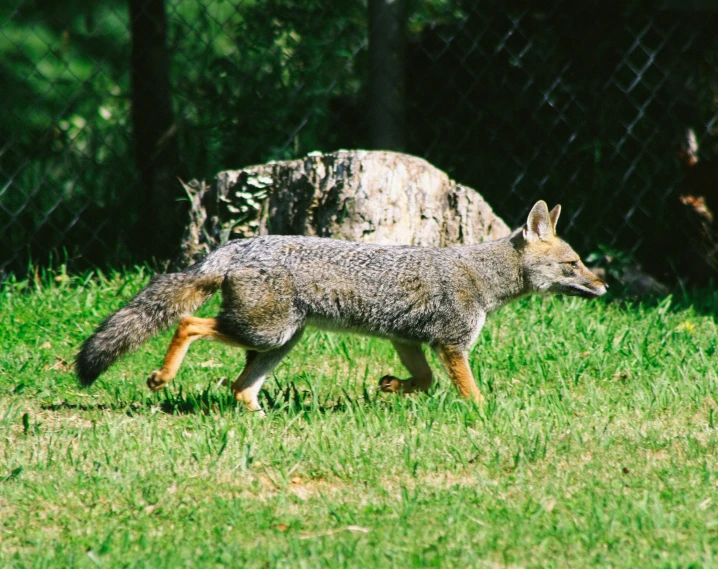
[(273, 286)]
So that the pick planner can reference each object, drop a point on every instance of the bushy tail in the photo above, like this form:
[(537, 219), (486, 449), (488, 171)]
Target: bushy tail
[(163, 302)]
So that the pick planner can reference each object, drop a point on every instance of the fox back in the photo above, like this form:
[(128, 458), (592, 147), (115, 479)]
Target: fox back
[(414, 293)]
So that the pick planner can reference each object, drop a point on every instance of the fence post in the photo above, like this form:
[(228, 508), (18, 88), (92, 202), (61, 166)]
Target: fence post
[(154, 132), (387, 61)]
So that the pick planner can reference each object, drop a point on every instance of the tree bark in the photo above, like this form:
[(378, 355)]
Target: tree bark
[(155, 133), (359, 195)]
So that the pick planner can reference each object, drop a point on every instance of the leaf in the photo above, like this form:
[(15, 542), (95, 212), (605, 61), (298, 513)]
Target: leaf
[(14, 473)]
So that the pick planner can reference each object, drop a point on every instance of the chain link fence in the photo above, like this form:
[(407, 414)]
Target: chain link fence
[(581, 103)]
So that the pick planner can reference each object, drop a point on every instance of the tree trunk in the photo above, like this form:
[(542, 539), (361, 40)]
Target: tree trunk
[(155, 133), (359, 195), (387, 62)]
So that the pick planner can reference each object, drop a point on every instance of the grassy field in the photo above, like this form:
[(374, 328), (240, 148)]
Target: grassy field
[(597, 447)]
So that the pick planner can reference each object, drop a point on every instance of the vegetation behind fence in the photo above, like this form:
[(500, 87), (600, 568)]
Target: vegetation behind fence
[(581, 103)]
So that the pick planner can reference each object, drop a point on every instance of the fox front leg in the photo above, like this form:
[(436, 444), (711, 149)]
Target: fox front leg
[(412, 356), (457, 366)]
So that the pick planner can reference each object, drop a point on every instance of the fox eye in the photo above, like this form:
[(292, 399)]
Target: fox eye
[(574, 264)]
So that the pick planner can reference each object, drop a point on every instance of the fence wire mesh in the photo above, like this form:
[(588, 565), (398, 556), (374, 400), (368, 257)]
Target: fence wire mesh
[(581, 103)]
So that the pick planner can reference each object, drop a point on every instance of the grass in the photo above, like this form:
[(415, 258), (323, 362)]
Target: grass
[(597, 446)]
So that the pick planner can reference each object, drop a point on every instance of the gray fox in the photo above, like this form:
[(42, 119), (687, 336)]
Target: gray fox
[(273, 286)]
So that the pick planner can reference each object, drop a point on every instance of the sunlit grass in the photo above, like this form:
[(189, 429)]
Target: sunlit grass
[(597, 445)]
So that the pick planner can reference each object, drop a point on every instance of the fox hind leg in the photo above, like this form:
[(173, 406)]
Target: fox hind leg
[(259, 365), (188, 330), (413, 358)]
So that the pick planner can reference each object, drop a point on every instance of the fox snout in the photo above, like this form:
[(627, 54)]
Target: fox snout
[(584, 283), (595, 289)]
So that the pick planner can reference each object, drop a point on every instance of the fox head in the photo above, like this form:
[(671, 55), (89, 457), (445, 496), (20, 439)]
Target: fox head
[(549, 264)]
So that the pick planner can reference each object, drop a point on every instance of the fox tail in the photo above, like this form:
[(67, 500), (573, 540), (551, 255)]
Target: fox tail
[(163, 302)]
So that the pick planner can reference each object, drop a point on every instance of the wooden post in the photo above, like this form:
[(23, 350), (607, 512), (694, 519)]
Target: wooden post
[(387, 90), (155, 133)]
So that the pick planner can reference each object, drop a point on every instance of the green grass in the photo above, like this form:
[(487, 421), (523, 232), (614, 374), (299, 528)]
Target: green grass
[(597, 446)]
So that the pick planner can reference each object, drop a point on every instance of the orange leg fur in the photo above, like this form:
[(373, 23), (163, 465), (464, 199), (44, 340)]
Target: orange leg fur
[(188, 330), (457, 366)]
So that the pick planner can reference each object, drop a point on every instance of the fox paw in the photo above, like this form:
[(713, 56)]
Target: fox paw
[(390, 384), (155, 381)]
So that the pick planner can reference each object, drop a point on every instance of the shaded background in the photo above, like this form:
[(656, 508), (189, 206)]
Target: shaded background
[(107, 102)]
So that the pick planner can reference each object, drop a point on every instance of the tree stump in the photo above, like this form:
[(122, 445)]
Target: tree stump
[(357, 195)]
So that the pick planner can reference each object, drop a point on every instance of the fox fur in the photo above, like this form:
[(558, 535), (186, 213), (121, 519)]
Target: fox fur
[(274, 286)]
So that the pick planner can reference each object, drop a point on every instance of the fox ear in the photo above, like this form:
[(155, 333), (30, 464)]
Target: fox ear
[(554, 215), (539, 224)]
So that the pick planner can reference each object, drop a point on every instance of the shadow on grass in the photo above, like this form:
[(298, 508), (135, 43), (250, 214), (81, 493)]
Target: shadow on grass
[(295, 400), (66, 406), (288, 398), (179, 403)]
